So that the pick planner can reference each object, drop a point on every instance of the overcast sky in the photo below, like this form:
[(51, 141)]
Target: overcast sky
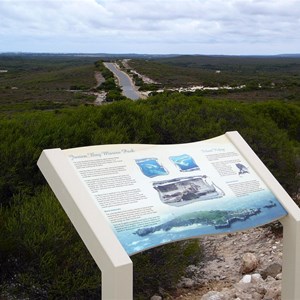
[(151, 26)]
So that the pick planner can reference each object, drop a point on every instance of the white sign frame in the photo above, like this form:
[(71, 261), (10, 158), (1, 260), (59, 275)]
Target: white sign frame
[(107, 251)]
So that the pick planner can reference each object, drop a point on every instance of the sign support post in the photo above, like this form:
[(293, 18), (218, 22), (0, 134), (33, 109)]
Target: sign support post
[(291, 222), (291, 257)]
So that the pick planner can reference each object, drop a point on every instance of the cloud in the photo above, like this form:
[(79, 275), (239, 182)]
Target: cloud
[(130, 23)]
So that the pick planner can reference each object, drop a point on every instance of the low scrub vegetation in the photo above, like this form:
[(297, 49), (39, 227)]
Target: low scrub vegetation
[(41, 255), (32, 81), (264, 78)]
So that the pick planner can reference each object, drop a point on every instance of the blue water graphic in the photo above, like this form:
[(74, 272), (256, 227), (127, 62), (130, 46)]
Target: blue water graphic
[(265, 201), (184, 162), (150, 167)]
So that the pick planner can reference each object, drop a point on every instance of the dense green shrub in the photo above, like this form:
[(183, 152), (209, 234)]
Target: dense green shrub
[(41, 254), (114, 95), (161, 268), (44, 257), (286, 117), (167, 118)]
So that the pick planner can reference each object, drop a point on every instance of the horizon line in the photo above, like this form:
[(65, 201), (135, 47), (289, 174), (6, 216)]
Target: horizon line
[(140, 54)]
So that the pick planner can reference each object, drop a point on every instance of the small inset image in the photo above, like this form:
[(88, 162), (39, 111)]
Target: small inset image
[(184, 162), (242, 169), (151, 167)]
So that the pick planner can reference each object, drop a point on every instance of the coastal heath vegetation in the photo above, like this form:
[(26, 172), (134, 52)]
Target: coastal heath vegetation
[(41, 82), (41, 255)]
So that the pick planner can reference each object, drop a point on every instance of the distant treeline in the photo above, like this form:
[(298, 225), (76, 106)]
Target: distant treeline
[(45, 82), (264, 77)]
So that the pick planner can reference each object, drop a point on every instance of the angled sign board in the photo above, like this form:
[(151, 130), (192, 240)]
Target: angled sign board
[(123, 199)]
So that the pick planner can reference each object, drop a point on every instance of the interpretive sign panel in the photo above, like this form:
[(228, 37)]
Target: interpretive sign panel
[(123, 199), (155, 194)]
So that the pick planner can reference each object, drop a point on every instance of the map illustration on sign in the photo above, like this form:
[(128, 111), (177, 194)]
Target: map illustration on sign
[(155, 194)]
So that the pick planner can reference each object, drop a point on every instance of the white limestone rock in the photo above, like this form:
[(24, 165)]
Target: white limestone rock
[(249, 263)]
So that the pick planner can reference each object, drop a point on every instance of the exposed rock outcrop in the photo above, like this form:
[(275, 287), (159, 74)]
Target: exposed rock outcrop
[(241, 266), (252, 287)]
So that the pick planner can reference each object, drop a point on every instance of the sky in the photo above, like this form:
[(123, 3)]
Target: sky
[(229, 27)]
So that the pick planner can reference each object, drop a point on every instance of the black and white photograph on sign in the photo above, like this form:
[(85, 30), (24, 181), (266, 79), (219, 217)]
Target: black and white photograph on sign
[(186, 190), (184, 163)]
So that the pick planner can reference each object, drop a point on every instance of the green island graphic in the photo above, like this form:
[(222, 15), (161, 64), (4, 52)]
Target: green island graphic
[(218, 218)]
